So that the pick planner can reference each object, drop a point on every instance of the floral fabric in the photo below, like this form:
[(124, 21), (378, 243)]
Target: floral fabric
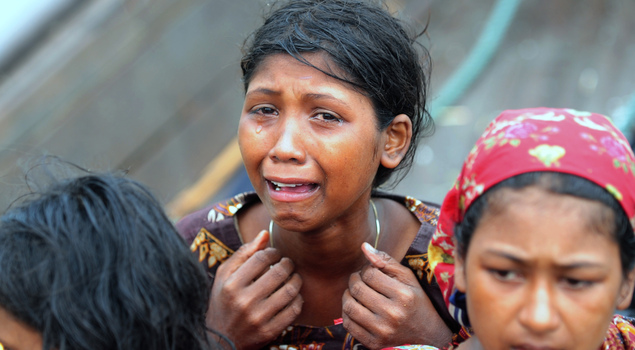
[(621, 334), (214, 237)]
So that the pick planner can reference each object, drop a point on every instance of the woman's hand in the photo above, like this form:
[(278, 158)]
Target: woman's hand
[(255, 295), (385, 306)]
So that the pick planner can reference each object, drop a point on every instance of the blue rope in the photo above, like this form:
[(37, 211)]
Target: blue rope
[(487, 44), (627, 118)]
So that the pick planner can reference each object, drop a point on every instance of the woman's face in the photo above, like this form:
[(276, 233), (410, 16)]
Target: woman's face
[(542, 272), (309, 142), (15, 335)]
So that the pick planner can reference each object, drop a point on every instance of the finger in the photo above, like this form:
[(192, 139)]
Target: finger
[(357, 312), (386, 264), (384, 285), (245, 251), (257, 265), (365, 295), (275, 276), (266, 308), (383, 296), (286, 316), (356, 319), (284, 296), (358, 332)]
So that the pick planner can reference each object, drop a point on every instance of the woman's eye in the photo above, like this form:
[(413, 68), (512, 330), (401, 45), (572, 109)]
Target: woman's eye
[(506, 275), (328, 117), (265, 111), (574, 283)]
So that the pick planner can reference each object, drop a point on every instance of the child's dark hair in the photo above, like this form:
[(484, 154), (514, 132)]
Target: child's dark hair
[(94, 263), (559, 183), (370, 48)]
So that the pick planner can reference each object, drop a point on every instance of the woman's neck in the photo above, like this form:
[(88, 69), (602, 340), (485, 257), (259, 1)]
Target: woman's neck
[(334, 248)]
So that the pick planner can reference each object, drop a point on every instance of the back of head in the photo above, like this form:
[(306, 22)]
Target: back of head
[(94, 263), (370, 49)]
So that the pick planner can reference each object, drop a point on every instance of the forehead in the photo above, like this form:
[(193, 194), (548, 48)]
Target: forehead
[(543, 223), (283, 76), (535, 200), (310, 65)]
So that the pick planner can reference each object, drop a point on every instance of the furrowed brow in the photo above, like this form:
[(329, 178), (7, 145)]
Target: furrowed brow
[(263, 91)]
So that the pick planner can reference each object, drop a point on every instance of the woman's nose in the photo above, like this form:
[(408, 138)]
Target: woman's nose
[(539, 313), (289, 144)]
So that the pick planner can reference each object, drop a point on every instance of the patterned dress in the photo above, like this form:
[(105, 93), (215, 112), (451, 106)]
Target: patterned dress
[(213, 235)]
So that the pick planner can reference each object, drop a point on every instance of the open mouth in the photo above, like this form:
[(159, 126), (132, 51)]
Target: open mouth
[(292, 187), (529, 347)]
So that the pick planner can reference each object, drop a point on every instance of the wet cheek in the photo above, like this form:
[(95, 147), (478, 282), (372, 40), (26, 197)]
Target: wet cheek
[(252, 152), (251, 136)]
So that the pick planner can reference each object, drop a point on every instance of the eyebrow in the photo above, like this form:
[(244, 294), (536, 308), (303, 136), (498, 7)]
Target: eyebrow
[(263, 91), (570, 266), (506, 256), (326, 97)]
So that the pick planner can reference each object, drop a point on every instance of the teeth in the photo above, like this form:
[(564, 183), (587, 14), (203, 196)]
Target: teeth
[(278, 184)]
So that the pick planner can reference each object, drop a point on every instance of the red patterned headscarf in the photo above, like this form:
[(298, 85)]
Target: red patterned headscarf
[(527, 140)]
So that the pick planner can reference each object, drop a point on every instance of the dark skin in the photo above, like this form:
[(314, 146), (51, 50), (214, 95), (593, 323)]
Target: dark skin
[(257, 292), (384, 302), (302, 128), (369, 296)]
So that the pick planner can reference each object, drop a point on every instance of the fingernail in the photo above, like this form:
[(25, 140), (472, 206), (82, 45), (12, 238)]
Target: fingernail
[(260, 234), (370, 248)]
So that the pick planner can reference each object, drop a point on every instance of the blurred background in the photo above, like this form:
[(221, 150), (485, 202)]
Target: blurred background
[(153, 86)]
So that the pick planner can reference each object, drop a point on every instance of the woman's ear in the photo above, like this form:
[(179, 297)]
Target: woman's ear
[(397, 141), (459, 274), (626, 291)]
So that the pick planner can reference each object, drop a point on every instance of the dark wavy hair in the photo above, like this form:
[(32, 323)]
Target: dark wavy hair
[(94, 263), (559, 183), (370, 47)]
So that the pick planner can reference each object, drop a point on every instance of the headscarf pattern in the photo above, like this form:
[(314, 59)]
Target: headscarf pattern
[(527, 140)]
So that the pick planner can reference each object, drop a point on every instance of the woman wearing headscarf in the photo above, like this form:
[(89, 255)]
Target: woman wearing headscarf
[(535, 246)]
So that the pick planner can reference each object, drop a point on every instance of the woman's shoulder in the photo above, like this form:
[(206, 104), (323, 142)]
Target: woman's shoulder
[(213, 215), (427, 213), (212, 230)]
